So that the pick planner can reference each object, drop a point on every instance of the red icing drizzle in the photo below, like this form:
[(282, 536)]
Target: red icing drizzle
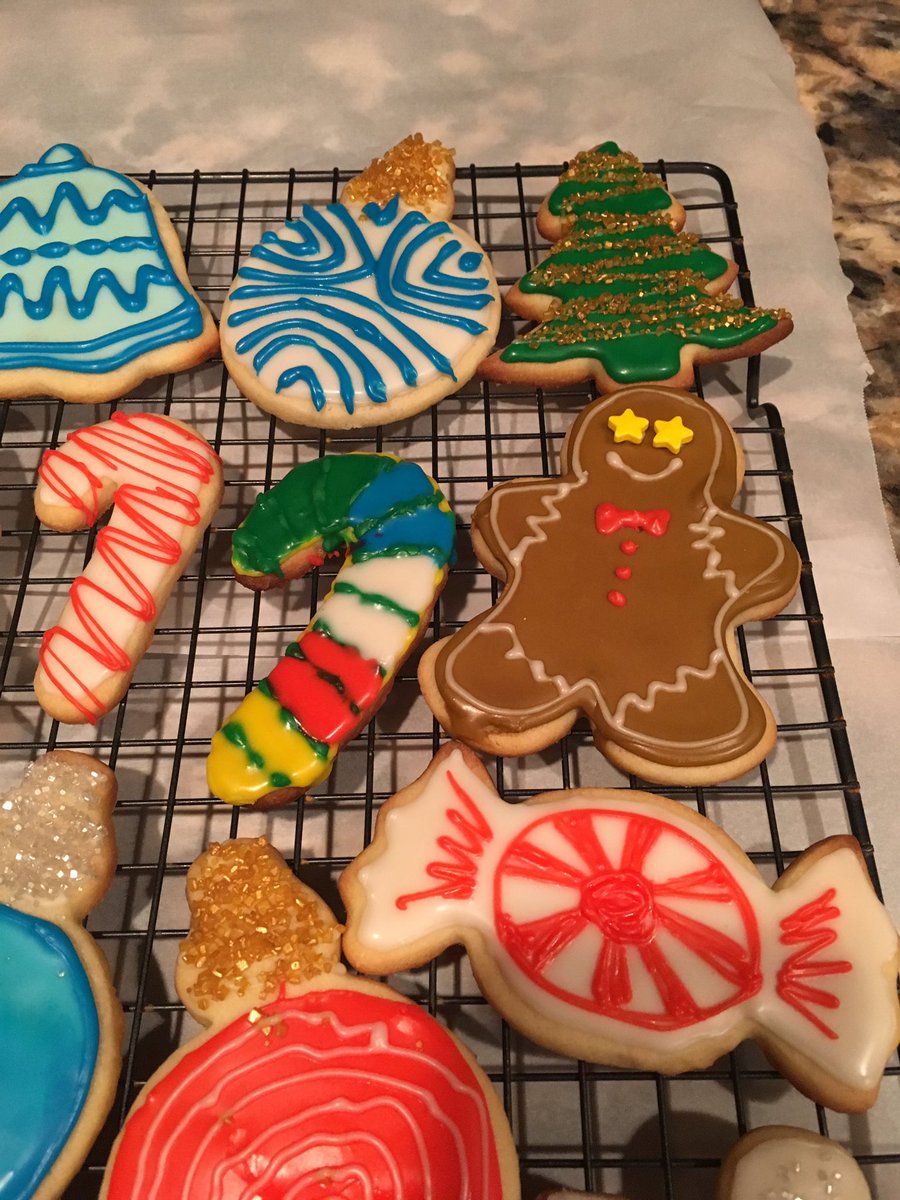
[(628, 909), (610, 519), (173, 472), (458, 875), (332, 1094), (328, 689), (809, 929)]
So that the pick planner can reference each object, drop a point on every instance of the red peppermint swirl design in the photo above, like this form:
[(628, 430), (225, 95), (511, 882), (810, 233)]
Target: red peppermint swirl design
[(637, 920), (334, 1093)]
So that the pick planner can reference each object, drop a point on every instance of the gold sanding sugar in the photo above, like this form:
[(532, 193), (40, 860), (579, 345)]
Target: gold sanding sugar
[(248, 908), (412, 168)]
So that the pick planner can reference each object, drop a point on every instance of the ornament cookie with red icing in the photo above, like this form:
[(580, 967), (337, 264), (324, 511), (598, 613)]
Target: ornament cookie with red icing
[(624, 580), (625, 296), (626, 929), (367, 310), (308, 1082)]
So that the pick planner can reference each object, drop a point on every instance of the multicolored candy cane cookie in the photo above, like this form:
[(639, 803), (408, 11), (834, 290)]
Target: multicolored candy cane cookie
[(625, 297), (94, 293), (165, 484), (60, 1022), (308, 1083), (368, 310), (624, 581), (398, 531), (625, 929), (790, 1164)]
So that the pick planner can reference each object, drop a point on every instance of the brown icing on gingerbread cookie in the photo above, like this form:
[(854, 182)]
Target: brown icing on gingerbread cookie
[(625, 579)]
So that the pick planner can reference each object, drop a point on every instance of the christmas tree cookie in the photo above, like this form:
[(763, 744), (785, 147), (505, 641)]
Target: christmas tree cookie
[(94, 291), (624, 580), (368, 310), (625, 296)]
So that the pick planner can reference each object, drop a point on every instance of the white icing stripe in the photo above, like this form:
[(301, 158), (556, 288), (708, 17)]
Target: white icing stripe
[(408, 580), (695, 886), (798, 1169), (374, 632), (679, 683)]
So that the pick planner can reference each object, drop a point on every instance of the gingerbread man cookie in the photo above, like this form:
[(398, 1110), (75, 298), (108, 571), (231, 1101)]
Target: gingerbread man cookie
[(624, 581), (625, 296), (308, 1082), (626, 929), (368, 310), (60, 1021)]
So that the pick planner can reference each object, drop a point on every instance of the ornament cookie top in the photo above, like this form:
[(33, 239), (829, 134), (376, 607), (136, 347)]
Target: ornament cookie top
[(368, 310), (624, 297), (624, 581), (95, 292), (309, 1082)]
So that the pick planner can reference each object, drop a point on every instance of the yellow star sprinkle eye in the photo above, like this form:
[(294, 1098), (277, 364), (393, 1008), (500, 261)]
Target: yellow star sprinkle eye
[(628, 428), (672, 434)]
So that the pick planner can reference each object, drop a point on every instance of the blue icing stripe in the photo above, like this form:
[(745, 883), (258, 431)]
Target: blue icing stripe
[(390, 297), (100, 290), (49, 1037), (427, 531), (401, 483)]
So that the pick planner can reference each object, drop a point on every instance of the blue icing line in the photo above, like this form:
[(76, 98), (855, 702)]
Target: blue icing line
[(470, 260), (283, 280), (49, 1038), (156, 308)]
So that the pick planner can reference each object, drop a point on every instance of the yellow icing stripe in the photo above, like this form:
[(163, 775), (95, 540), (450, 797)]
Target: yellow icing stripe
[(233, 777)]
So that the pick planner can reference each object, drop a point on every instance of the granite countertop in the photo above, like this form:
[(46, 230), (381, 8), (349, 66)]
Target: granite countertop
[(845, 53)]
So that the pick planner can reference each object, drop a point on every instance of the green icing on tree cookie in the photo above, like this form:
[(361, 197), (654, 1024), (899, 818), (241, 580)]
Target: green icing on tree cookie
[(607, 180)]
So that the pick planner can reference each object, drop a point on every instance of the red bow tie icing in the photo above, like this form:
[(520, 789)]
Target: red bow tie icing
[(611, 519), (619, 924)]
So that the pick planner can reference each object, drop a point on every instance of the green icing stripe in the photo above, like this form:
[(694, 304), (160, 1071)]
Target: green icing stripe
[(375, 600), (320, 749), (235, 733)]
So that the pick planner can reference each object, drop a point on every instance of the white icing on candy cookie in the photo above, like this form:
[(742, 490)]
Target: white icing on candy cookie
[(626, 929), (361, 312), (779, 1162)]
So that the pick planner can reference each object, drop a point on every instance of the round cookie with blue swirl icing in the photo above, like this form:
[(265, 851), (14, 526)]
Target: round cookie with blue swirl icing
[(94, 291), (368, 310)]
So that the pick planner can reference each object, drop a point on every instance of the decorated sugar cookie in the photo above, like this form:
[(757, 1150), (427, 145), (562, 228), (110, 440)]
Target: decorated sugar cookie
[(625, 929), (368, 310), (308, 1083), (165, 484), (398, 531), (94, 288), (625, 296), (624, 581), (790, 1164), (60, 1021)]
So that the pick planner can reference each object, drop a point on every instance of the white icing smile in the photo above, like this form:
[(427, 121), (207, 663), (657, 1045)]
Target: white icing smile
[(614, 460)]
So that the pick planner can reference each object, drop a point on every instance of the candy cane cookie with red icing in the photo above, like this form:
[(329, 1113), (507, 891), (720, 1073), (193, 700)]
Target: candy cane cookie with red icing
[(308, 1083), (165, 484), (626, 929)]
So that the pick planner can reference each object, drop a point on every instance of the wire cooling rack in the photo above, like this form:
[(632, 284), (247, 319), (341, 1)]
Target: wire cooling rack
[(575, 1124)]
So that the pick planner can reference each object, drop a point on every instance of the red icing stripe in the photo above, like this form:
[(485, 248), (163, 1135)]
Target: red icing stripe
[(333, 1093), (322, 709)]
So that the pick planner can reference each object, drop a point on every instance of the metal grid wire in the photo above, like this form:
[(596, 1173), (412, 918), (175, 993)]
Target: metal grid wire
[(576, 1124)]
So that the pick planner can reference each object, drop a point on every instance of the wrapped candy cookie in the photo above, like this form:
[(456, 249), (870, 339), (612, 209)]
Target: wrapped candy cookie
[(307, 1082), (626, 929)]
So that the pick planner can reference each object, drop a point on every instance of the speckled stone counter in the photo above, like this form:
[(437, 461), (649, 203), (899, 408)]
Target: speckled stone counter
[(848, 76)]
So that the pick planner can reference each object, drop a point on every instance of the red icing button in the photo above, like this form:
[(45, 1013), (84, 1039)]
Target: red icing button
[(617, 599), (628, 547), (623, 572)]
